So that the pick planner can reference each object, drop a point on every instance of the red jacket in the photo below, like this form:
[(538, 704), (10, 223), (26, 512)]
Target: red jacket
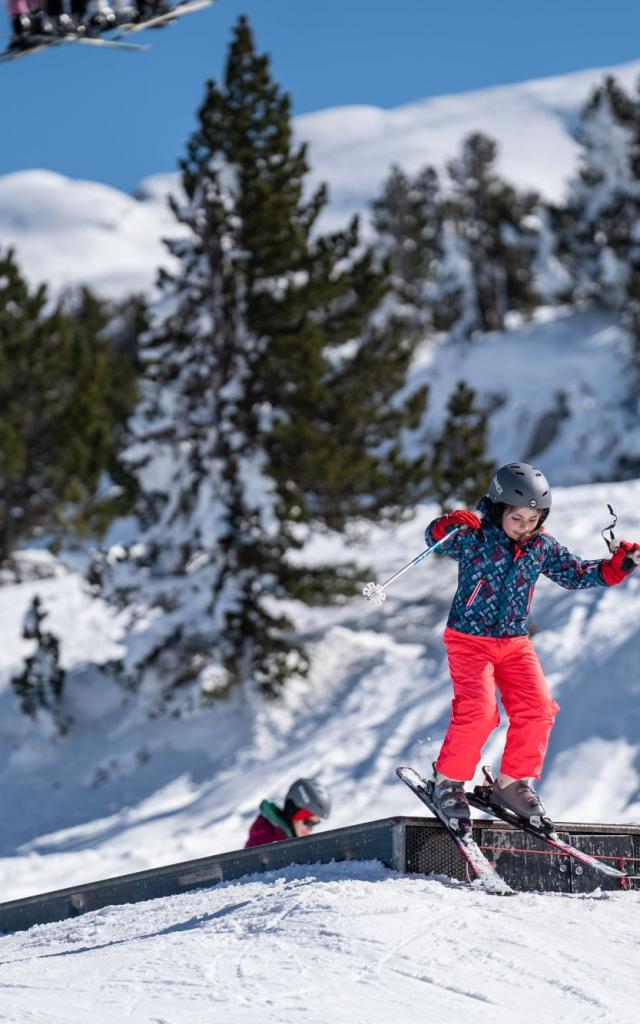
[(269, 827)]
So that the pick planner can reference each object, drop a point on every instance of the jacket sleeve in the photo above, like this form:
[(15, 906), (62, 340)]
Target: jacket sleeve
[(452, 547), (568, 570)]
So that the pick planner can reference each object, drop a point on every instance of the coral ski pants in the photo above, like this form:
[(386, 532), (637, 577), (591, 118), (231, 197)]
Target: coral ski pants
[(479, 665)]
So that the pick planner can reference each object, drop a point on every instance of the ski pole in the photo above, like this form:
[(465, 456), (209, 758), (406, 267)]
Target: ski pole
[(376, 591)]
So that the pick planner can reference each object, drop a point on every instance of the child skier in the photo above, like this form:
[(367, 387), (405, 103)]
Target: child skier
[(500, 554), (306, 803)]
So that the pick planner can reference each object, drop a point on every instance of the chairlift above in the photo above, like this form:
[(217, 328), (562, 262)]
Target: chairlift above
[(40, 24)]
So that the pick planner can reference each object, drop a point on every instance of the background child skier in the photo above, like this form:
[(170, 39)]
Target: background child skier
[(501, 552), (306, 803)]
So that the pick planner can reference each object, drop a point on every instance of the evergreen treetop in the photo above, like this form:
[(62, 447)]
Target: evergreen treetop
[(490, 255), (270, 403), (64, 395), (407, 217), (598, 224), (460, 465)]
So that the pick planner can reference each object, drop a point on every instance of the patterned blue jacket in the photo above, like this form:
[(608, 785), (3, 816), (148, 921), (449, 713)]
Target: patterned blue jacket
[(496, 578)]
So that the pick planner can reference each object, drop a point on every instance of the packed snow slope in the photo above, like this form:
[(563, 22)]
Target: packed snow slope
[(126, 790), (67, 231), (339, 944)]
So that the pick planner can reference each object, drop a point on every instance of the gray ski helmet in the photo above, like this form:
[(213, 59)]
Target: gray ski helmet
[(312, 795), (520, 485)]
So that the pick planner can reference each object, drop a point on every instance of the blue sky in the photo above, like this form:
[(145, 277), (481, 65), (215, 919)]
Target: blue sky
[(117, 117)]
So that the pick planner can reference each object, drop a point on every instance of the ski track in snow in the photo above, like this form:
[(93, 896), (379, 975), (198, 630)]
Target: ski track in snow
[(339, 943)]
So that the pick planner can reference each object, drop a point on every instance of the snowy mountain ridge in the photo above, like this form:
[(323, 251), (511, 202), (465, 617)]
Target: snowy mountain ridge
[(66, 232)]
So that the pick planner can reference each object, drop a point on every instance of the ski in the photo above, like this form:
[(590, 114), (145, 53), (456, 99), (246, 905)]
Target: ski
[(116, 41), (24, 51), (114, 44), (45, 42), (480, 798), (488, 878), (187, 7)]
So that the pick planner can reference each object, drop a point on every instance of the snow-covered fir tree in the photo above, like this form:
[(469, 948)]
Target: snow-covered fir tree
[(407, 217), (460, 465), (40, 684), (268, 406), (489, 243), (599, 226), (553, 282), (65, 393)]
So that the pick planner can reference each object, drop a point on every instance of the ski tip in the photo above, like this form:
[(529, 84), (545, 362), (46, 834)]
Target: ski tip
[(612, 872), (508, 891), (493, 887)]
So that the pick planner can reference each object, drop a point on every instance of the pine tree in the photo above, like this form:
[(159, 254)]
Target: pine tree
[(598, 224), (40, 685), (489, 245), (64, 396), (598, 227), (407, 217), (267, 406), (460, 466)]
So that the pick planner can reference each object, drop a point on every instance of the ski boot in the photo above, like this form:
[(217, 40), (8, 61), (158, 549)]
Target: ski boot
[(126, 13), (102, 17), (149, 9), (79, 16), (41, 23), (22, 31), (64, 25), (518, 803), (449, 798), (520, 798), (56, 19)]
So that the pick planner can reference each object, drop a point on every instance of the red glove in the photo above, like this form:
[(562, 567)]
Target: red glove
[(619, 566), (458, 518)]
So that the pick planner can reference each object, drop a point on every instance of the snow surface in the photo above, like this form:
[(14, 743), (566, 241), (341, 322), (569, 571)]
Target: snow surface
[(68, 231), (123, 791), (557, 390), (335, 944)]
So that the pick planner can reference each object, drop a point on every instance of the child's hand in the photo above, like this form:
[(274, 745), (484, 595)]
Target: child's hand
[(460, 517), (622, 563)]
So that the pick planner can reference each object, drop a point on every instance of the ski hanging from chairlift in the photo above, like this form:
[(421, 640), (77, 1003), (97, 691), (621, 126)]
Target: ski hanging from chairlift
[(40, 24)]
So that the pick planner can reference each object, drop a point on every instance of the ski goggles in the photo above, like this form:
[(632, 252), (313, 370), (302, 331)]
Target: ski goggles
[(309, 818)]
